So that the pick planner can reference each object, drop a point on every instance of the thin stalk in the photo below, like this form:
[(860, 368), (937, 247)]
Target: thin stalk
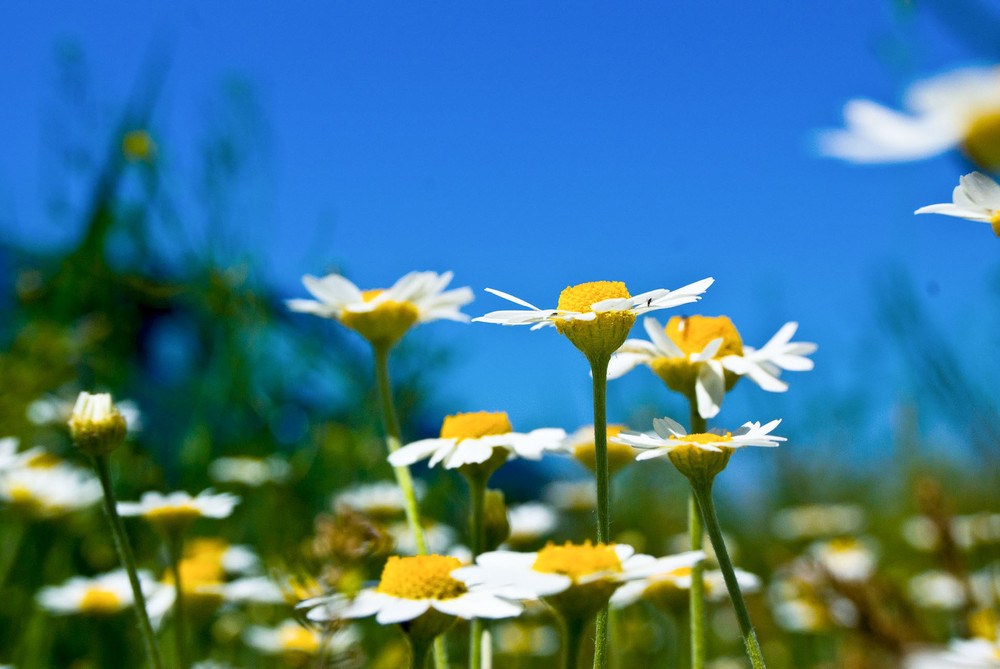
[(175, 545), (599, 373), (703, 492), (696, 534), (477, 490), (393, 440), (128, 560), (12, 546), (572, 631), (419, 648)]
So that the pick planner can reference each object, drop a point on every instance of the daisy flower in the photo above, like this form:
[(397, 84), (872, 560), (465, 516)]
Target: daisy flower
[(249, 471), (531, 522), (96, 425), (48, 492), (383, 316), (704, 357), (976, 197), (178, 509), (669, 590), (291, 638), (595, 316), (581, 445), (956, 109), (846, 559), (98, 596), (380, 500), (817, 520), (482, 438), (960, 654), (670, 436)]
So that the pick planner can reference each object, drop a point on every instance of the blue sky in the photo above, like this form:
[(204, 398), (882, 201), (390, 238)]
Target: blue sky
[(529, 146)]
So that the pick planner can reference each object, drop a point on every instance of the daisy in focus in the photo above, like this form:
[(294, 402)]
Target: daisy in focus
[(383, 316), (478, 439), (976, 197), (703, 357), (179, 509), (671, 437), (957, 109)]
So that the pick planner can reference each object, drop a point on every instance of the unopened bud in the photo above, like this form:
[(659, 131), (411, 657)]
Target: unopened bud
[(96, 426)]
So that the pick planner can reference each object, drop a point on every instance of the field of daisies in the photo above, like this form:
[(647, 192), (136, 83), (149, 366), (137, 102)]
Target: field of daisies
[(172, 498)]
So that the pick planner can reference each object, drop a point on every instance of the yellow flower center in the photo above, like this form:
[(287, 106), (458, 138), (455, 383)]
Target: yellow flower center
[(297, 638), (369, 295), (475, 425), (843, 545), (44, 461), (206, 549), (579, 298), (619, 455), (704, 438), (173, 515), (100, 602), (982, 139), (21, 495), (137, 146), (383, 325), (995, 223), (983, 625), (421, 577), (693, 333), (576, 560)]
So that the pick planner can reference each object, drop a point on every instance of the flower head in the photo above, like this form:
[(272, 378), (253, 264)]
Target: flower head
[(96, 425), (957, 109), (976, 197), (384, 316), (381, 500), (576, 579), (846, 559), (419, 592), (669, 591), (701, 456), (292, 640), (98, 596), (250, 471), (595, 316), (581, 446), (480, 439), (178, 509), (48, 492)]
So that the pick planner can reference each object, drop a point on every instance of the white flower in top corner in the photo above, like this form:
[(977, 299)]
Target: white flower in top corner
[(383, 316), (179, 508), (480, 438), (670, 435), (957, 109), (976, 197), (412, 586), (101, 595)]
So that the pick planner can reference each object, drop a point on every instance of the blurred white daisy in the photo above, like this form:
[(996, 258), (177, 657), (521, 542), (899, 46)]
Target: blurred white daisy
[(379, 499), (578, 495), (576, 579), (580, 444), (810, 521), (960, 654), (250, 471), (412, 586), (179, 508), (291, 638), (976, 197), (55, 410), (672, 587), (531, 522), (956, 109), (383, 316), (477, 439), (101, 595), (937, 590), (47, 492), (440, 538), (846, 559), (670, 435)]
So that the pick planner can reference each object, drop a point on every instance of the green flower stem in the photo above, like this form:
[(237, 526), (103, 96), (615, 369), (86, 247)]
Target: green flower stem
[(393, 439), (175, 544), (572, 633), (703, 493), (419, 648), (477, 490), (696, 533), (128, 560), (12, 546), (599, 372)]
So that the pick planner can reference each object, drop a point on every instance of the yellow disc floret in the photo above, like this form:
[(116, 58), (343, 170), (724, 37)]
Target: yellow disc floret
[(383, 325), (619, 455), (995, 223), (97, 601), (421, 577), (295, 638), (698, 464), (576, 560), (982, 140), (179, 515), (475, 425), (603, 335), (692, 334)]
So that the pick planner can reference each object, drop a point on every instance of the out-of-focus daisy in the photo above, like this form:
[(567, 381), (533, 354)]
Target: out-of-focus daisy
[(98, 596), (798, 606), (669, 591), (482, 438), (96, 425), (575, 579), (960, 654), (232, 559), (50, 491), (249, 590), (178, 509), (55, 410), (976, 197), (595, 316), (380, 500), (956, 109), (383, 316), (811, 521), (580, 445), (937, 590), (440, 538), (530, 523), (846, 559), (578, 495), (250, 471), (525, 639), (8, 453), (703, 357), (290, 638)]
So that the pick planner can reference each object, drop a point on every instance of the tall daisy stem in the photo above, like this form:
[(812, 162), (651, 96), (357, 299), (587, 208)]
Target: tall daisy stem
[(572, 629), (124, 549), (599, 372), (703, 493), (419, 647), (477, 490), (393, 439), (696, 533), (175, 544)]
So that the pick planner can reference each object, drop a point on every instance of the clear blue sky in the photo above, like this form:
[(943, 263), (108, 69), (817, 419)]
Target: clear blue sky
[(527, 146)]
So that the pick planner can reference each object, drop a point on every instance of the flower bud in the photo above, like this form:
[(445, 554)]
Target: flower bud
[(96, 426)]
